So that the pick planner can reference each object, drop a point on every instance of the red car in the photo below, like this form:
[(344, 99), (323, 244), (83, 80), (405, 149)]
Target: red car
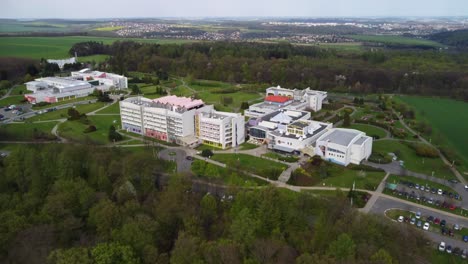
[(437, 221), (452, 207)]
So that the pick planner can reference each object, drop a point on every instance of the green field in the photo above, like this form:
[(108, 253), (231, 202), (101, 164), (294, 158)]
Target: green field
[(63, 113), (371, 131), (12, 99), (344, 178), (412, 161), (255, 165), (396, 40), (25, 131), (447, 117), (108, 28), (57, 47), (112, 109), (73, 130)]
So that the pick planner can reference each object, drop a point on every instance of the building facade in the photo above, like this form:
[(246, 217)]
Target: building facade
[(182, 120), (54, 89), (104, 78), (344, 146)]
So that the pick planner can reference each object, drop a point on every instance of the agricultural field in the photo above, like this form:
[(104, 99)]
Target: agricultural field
[(396, 40), (108, 28), (448, 119), (58, 47), (413, 162)]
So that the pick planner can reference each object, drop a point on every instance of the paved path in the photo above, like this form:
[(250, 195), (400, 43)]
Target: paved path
[(376, 195)]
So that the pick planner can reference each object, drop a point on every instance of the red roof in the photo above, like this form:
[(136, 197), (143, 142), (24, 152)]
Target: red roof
[(277, 98)]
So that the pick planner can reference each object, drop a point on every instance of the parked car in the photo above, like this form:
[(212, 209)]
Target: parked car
[(431, 200), (463, 254), (426, 226), (437, 221), (433, 190), (413, 221), (457, 196), (439, 192), (450, 232), (444, 231), (442, 246), (416, 186), (442, 223), (418, 215), (430, 219), (456, 251), (456, 227), (419, 224), (189, 158), (449, 249), (401, 219), (452, 207), (453, 181), (421, 188), (465, 238)]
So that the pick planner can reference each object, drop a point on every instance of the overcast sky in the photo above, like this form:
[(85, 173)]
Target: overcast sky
[(225, 8)]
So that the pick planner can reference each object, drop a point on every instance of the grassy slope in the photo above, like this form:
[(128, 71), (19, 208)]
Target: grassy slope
[(448, 117), (25, 131), (369, 130), (412, 161), (74, 129)]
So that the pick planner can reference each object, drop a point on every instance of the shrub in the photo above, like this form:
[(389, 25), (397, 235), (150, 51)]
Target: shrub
[(207, 153), (424, 150), (89, 129)]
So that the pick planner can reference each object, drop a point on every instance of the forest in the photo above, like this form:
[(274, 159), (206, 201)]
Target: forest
[(382, 71), (83, 204)]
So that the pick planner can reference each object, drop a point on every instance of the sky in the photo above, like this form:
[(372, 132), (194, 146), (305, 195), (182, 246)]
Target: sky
[(231, 8)]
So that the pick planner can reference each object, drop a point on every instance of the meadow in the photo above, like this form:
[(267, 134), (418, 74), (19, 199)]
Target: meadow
[(449, 118), (396, 40), (25, 132), (58, 47), (371, 131)]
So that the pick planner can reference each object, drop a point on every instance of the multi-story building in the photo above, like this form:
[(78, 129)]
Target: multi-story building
[(220, 129), (104, 78), (344, 146), (182, 120)]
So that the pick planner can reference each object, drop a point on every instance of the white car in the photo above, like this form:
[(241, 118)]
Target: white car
[(426, 226), (439, 192), (401, 219), (442, 246)]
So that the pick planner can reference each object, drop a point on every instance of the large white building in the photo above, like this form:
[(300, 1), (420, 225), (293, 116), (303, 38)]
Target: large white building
[(54, 89), (281, 98), (182, 120), (344, 146), (104, 78), (220, 129)]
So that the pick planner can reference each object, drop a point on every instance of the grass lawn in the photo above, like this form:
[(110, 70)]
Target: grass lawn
[(412, 161), (19, 90), (233, 179), (74, 129), (372, 131), (247, 146), (112, 109), (95, 58), (12, 99), (397, 179), (63, 113), (286, 158), (445, 258), (262, 167), (448, 119), (74, 100), (25, 131), (344, 178)]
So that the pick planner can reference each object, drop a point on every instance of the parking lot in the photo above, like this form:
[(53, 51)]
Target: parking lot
[(435, 231), (7, 112), (431, 196)]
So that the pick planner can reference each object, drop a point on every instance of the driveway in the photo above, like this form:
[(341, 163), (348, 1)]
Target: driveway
[(177, 155)]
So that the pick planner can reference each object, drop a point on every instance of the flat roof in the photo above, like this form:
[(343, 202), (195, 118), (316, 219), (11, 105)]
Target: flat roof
[(277, 99), (179, 101), (341, 136), (317, 131), (361, 140), (269, 116)]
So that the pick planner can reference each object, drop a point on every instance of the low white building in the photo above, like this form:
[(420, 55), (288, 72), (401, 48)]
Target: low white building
[(297, 136), (62, 62), (104, 78), (281, 98), (54, 89), (344, 146), (220, 129)]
